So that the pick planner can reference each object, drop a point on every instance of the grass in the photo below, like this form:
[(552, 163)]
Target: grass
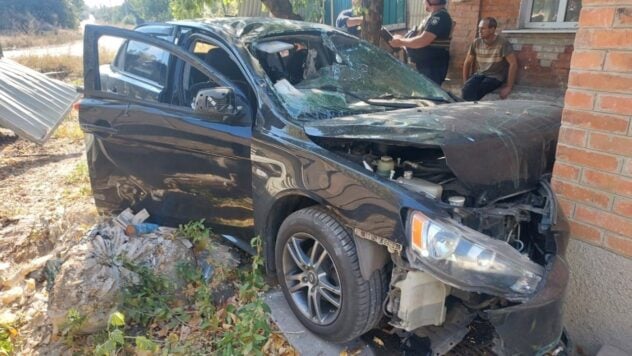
[(20, 40), (78, 183), (7, 335), (66, 67), (69, 128), (79, 175)]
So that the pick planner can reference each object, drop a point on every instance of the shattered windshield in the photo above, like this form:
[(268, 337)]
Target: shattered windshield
[(331, 75)]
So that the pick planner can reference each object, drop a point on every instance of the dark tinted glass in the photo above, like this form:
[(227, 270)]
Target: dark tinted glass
[(146, 61)]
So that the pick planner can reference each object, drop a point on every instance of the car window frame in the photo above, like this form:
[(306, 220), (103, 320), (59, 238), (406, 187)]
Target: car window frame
[(92, 80), (194, 36), (118, 65)]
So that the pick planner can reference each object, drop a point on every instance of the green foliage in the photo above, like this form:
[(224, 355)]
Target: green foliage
[(187, 9), (311, 10), (116, 338), (195, 231), (202, 293), (191, 9), (250, 331), (117, 319), (253, 280), (115, 15), (144, 344), (157, 314), (33, 16), (71, 326), (79, 175), (150, 298), (7, 335), (151, 10)]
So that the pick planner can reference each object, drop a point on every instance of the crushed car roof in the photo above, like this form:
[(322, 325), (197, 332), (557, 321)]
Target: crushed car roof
[(32, 104), (251, 28)]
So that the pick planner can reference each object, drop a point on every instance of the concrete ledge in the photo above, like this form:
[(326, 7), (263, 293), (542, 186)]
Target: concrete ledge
[(303, 340), (599, 299)]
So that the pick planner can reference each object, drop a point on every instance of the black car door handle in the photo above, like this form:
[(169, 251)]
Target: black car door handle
[(103, 129)]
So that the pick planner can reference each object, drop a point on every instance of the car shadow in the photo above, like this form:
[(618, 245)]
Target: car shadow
[(20, 167)]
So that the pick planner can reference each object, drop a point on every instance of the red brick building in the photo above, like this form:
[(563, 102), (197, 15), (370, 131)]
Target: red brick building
[(543, 44), (585, 50)]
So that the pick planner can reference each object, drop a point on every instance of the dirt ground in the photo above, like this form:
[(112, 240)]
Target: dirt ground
[(45, 207)]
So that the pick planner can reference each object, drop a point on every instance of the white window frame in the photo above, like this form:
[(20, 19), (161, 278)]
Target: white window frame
[(525, 17)]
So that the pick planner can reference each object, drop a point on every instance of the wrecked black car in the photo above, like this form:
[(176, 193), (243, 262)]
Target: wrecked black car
[(379, 196)]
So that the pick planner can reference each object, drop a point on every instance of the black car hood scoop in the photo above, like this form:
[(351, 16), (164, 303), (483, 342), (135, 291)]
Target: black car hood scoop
[(494, 148)]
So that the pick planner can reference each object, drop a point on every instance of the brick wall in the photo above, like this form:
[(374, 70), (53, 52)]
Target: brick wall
[(593, 171), (465, 14), (543, 58)]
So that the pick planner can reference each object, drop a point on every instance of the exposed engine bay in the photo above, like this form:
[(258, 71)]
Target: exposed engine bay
[(515, 219), (418, 302)]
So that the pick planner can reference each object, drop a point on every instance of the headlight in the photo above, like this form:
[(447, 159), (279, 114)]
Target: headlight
[(469, 260)]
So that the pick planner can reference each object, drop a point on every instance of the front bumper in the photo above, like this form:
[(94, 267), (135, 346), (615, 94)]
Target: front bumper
[(534, 327)]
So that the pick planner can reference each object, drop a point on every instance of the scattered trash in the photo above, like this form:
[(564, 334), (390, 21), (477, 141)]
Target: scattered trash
[(202, 263), (94, 274), (127, 217), (50, 271), (140, 229)]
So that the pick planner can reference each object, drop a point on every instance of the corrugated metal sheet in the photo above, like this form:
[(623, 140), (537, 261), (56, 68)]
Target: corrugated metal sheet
[(394, 16), (333, 8), (416, 12), (252, 8), (32, 104)]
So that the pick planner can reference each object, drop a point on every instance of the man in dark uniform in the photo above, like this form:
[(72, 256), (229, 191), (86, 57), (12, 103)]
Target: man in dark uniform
[(429, 50), (349, 20)]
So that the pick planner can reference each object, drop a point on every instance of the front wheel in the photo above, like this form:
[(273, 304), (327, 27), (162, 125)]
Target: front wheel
[(317, 267)]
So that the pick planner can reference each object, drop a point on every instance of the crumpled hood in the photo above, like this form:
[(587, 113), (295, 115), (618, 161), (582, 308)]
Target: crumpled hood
[(494, 148)]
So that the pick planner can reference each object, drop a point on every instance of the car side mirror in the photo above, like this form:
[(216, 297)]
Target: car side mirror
[(219, 100)]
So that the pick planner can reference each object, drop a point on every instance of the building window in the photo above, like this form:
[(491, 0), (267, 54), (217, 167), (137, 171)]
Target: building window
[(550, 14)]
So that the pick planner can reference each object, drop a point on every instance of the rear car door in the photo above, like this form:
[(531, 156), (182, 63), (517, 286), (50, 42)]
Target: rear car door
[(147, 147)]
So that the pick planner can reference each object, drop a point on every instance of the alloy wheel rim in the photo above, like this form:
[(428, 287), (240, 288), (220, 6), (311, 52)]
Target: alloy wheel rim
[(312, 279)]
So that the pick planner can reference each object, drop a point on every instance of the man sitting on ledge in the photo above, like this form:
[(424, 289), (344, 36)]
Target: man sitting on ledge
[(495, 62)]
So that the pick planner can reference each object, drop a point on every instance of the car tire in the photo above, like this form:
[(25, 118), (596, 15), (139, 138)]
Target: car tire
[(315, 257)]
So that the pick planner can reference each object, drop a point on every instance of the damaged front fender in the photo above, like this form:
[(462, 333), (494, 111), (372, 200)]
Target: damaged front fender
[(534, 327)]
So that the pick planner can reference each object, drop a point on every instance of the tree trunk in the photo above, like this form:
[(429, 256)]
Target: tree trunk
[(372, 21), (281, 9)]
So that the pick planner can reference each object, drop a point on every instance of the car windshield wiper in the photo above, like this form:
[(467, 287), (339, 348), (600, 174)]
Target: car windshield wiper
[(414, 97), (370, 101)]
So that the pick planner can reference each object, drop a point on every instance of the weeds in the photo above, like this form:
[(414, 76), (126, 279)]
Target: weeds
[(253, 281), (150, 299), (116, 339), (248, 326), (79, 174), (249, 331), (197, 233), (79, 182), (166, 320), (7, 336), (71, 326), (69, 128)]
